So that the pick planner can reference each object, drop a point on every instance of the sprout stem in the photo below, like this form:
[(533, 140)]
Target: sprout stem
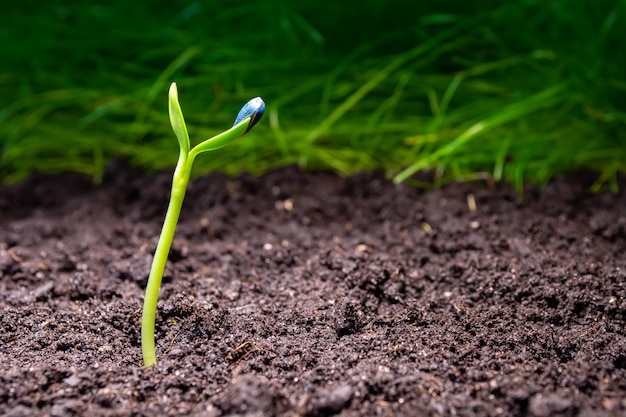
[(179, 187)]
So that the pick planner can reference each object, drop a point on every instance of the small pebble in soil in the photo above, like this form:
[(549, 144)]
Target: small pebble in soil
[(362, 248), (72, 381), (548, 405), (334, 400)]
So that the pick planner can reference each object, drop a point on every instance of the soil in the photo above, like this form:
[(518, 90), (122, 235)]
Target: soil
[(307, 294)]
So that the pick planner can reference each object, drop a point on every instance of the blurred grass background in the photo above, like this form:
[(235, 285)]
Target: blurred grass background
[(492, 90)]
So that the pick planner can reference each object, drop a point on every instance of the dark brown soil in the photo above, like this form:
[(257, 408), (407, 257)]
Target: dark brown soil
[(307, 294)]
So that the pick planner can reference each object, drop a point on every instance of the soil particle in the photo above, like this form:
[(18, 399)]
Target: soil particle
[(332, 401), (548, 405), (347, 320), (307, 294), (249, 395)]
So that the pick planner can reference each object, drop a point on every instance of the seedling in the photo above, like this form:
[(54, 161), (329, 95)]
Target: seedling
[(248, 116)]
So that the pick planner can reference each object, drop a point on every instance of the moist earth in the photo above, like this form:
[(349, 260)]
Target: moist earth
[(308, 294)]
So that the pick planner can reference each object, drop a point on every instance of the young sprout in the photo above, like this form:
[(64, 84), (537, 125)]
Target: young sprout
[(248, 116)]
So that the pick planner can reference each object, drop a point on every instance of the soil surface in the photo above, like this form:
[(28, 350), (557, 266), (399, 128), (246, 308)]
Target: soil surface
[(306, 294)]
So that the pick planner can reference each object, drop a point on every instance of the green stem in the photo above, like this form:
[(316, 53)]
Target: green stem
[(179, 186)]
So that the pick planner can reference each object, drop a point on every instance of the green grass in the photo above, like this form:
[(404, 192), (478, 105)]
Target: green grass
[(515, 92)]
